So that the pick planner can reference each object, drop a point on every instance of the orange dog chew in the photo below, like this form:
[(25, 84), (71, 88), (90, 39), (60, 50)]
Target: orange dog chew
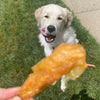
[(66, 59)]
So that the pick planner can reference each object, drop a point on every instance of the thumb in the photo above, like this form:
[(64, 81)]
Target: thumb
[(9, 93)]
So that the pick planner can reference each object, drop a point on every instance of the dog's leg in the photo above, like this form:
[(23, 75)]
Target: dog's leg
[(63, 83), (47, 51)]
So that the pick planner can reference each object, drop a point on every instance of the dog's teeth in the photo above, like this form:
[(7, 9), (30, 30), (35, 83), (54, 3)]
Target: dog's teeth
[(49, 40)]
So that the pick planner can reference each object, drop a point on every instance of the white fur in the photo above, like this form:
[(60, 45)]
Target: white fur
[(63, 33), (68, 36)]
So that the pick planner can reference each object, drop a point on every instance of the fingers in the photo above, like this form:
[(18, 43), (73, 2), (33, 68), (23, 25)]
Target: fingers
[(18, 98), (8, 93), (2, 89), (31, 99), (15, 98)]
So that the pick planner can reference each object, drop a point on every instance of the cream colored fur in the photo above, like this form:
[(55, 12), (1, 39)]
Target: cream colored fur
[(64, 32)]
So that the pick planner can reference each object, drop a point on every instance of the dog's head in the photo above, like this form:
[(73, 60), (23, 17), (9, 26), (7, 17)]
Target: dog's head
[(52, 19)]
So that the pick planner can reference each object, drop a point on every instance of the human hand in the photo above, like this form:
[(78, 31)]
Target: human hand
[(10, 94)]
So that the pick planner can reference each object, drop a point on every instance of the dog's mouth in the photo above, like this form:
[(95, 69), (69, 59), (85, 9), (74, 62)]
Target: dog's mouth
[(48, 37)]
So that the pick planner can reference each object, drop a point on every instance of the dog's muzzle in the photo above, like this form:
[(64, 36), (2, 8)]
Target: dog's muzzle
[(48, 37)]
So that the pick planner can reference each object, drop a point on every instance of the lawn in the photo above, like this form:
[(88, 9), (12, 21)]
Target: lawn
[(20, 50)]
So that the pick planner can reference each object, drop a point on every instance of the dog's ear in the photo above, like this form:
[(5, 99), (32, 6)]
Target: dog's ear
[(69, 18), (38, 13)]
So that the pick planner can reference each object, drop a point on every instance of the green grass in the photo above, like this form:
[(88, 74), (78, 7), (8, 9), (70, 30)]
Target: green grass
[(20, 50)]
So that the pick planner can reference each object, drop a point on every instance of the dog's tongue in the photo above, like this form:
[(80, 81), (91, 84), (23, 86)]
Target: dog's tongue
[(48, 38), (43, 32)]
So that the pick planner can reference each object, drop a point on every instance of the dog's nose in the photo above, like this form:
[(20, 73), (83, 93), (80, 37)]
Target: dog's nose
[(51, 28)]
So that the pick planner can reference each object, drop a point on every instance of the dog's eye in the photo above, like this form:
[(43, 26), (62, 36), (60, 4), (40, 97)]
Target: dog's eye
[(46, 16), (59, 18)]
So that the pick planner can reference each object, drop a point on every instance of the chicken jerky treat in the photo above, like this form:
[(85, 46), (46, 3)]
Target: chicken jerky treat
[(66, 59)]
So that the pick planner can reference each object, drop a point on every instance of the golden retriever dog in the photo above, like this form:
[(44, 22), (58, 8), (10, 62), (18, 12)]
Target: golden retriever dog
[(54, 23)]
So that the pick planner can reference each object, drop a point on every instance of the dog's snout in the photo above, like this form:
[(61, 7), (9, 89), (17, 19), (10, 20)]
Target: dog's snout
[(51, 28)]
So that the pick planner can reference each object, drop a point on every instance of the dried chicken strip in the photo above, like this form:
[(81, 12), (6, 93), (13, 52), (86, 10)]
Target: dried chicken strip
[(66, 59)]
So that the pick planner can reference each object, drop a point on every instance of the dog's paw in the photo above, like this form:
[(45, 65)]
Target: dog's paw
[(63, 88), (63, 83), (54, 83)]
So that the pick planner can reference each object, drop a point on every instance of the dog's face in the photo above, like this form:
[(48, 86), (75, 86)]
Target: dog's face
[(52, 19)]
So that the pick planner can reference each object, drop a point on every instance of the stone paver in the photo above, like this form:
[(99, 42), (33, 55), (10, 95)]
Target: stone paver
[(88, 11)]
